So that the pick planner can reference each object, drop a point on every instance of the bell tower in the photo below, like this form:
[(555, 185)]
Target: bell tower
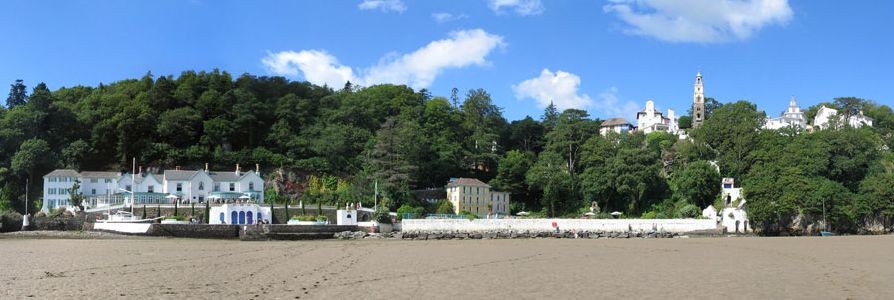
[(698, 102)]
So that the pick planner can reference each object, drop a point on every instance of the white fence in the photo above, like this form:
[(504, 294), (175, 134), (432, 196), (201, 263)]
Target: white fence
[(539, 225)]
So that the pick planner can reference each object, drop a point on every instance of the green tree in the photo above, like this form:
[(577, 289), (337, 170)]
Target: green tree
[(511, 176), (17, 94), (732, 132), (698, 183), (75, 196)]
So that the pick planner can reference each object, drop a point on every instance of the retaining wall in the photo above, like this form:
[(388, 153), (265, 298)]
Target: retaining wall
[(540, 225)]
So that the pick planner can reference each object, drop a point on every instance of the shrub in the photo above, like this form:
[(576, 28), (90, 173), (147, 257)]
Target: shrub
[(688, 211), (381, 215), (303, 218), (321, 218), (416, 212), (649, 215), (444, 207), (175, 217)]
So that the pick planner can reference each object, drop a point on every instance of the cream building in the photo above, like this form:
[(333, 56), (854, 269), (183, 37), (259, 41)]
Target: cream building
[(474, 196)]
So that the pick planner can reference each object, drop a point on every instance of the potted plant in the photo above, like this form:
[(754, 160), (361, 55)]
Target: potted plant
[(302, 220), (321, 219), (383, 219), (174, 220)]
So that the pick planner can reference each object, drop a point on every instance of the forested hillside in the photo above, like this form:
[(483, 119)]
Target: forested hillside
[(556, 164)]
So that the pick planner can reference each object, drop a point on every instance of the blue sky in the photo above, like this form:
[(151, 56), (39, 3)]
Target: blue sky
[(605, 56)]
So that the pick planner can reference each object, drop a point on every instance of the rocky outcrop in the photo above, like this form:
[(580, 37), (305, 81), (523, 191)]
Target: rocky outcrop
[(502, 234)]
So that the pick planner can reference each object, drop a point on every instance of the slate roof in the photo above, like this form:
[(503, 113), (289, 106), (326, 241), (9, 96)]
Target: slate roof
[(224, 176), (614, 122), (62, 173), (177, 175), (466, 181), (99, 174)]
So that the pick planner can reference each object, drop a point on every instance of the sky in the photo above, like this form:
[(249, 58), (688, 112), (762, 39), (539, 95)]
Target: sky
[(604, 56)]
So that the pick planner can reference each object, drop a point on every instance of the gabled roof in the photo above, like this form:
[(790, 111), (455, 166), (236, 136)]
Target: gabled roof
[(615, 121), (178, 175), (62, 173), (99, 174), (224, 176), (466, 181)]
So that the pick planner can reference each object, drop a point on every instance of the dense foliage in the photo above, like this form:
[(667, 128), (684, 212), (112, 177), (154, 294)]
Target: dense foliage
[(350, 140)]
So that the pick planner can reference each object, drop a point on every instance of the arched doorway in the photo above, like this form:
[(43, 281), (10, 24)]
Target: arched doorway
[(234, 218), (249, 218), (222, 215), (241, 217)]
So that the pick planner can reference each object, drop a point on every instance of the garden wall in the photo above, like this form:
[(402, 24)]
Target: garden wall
[(540, 225)]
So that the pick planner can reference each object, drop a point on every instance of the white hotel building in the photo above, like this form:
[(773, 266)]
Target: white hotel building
[(171, 185)]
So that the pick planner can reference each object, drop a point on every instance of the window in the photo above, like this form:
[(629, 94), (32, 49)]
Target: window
[(232, 187), (217, 187), (93, 191), (128, 188), (179, 187), (108, 180), (201, 186), (150, 189), (251, 186)]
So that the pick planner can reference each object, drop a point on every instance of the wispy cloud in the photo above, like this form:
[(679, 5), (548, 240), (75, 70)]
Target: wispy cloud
[(519, 7), (383, 5), (418, 69), (610, 104), (444, 17), (702, 21)]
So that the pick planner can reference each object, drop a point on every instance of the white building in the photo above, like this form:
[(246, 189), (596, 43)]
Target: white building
[(101, 188), (791, 118), (828, 117), (616, 125), (649, 120), (239, 213)]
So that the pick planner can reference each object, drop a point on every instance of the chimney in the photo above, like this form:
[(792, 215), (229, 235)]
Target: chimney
[(206, 167), (258, 168), (237, 169)]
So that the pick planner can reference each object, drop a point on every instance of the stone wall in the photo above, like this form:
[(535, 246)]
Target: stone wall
[(195, 231), (546, 225)]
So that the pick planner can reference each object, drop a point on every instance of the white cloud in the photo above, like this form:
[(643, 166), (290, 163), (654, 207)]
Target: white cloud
[(418, 69), (560, 88), (383, 5), (447, 17), (610, 105), (520, 7), (703, 21), (318, 66)]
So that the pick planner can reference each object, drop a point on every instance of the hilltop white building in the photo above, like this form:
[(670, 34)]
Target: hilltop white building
[(826, 117), (616, 125), (195, 186), (791, 118), (649, 120)]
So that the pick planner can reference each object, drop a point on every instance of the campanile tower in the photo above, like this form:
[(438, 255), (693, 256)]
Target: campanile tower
[(698, 102)]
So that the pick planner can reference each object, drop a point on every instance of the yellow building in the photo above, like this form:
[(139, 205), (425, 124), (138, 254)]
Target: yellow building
[(474, 196)]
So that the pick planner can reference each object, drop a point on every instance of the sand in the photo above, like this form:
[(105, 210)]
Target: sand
[(860, 267)]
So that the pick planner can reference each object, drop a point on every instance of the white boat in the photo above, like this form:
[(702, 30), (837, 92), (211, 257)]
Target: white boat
[(125, 217)]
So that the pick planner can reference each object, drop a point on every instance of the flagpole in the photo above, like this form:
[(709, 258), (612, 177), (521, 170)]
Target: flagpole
[(133, 185), (376, 196)]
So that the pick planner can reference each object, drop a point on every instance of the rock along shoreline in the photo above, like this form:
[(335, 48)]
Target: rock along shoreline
[(507, 234)]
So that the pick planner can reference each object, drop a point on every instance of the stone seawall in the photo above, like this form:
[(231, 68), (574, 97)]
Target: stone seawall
[(199, 231), (292, 232), (547, 225)]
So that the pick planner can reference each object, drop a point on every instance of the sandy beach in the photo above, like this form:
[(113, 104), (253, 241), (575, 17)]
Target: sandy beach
[(859, 267)]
